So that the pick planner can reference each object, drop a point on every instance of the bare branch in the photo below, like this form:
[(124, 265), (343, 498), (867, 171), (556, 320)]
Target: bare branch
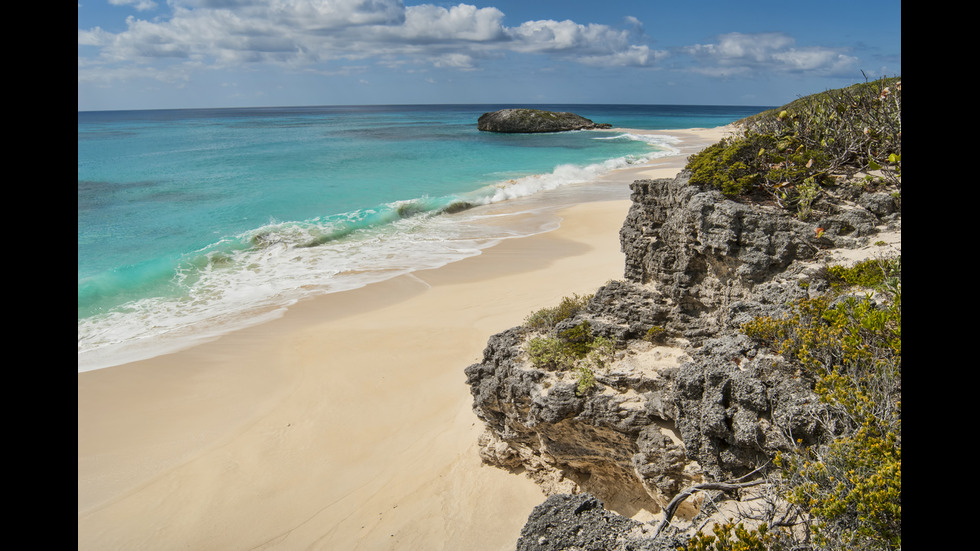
[(671, 507)]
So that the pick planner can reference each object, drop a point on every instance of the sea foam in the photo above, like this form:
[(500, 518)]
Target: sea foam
[(253, 277), (196, 223)]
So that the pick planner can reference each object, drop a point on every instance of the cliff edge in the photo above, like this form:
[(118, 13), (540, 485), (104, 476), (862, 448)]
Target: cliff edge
[(687, 397)]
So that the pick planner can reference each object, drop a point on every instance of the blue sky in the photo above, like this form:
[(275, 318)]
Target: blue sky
[(158, 54)]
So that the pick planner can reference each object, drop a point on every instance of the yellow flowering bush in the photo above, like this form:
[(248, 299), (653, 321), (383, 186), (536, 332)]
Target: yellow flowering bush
[(731, 537), (850, 487)]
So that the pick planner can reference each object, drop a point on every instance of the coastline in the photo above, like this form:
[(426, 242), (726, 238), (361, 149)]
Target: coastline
[(346, 423)]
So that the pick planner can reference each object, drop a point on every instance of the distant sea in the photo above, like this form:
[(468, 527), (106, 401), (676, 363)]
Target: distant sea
[(194, 222)]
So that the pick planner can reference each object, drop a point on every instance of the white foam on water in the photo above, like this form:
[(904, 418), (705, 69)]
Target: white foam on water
[(255, 277)]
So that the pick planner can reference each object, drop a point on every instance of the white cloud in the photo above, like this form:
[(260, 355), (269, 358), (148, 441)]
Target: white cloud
[(222, 33), (325, 35), (140, 5), (634, 56), (459, 23), (568, 36), (737, 53), (811, 59), (94, 37), (454, 60)]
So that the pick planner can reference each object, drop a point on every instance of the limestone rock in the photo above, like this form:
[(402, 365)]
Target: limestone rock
[(600, 441), (573, 522), (566, 522), (698, 401)]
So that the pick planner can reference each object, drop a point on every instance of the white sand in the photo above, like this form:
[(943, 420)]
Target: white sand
[(346, 424)]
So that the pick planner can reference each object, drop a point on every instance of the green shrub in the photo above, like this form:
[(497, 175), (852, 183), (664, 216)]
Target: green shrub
[(850, 486), (764, 328), (572, 346), (586, 380), (871, 273), (548, 353), (578, 339), (730, 165), (574, 349), (600, 350), (790, 153), (656, 334), (809, 190), (547, 318), (742, 165), (858, 128)]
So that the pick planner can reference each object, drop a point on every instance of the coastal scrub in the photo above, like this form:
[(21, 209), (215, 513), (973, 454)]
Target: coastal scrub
[(547, 318), (846, 489), (790, 155), (849, 488), (573, 349)]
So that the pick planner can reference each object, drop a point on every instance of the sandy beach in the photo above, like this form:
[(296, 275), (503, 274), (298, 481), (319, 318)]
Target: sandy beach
[(345, 424)]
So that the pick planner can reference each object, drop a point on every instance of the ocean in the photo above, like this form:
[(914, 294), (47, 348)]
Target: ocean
[(195, 222)]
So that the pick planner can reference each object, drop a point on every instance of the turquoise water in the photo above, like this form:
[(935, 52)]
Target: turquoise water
[(194, 221)]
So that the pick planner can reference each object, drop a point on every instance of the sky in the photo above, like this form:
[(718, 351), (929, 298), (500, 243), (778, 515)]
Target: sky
[(172, 54)]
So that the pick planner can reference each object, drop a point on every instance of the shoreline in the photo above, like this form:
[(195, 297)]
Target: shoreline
[(345, 423)]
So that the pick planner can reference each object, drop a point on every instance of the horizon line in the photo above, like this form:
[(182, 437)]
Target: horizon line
[(417, 105)]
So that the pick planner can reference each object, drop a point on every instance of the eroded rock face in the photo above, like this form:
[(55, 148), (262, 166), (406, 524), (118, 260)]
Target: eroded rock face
[(699, 400), (736, 407), (534, 120), (618, 439)]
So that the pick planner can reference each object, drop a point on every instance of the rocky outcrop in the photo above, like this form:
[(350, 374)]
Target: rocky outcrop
[(717, 260), (534, 120), (696, 401), (580, 522), (617, 441)]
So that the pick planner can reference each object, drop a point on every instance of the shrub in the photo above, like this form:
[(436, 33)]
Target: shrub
[(574, 349), (548, 353), (871, 273), (568, 348), (790, 154), (547, 318), (656, 334), (578, 339), (731, 537), (764, 328), (600, 350), (849, 486), (586, 380), (858, 128), (730, 165), (760, 163)]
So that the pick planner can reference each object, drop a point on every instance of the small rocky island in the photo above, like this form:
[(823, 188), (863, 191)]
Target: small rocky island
[(534, 120)]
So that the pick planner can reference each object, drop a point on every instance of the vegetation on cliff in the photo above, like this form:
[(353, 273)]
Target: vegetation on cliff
[(845, 492), (573, 349), (793, 153)]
